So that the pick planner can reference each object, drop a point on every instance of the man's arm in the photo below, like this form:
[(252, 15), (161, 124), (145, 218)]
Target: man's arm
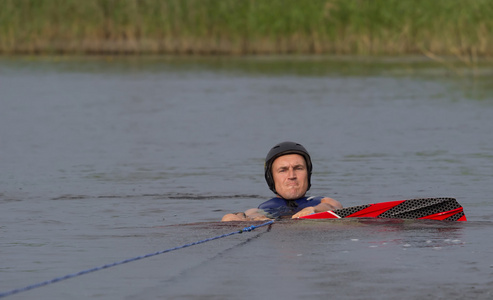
[(253, 214), (326, 204)]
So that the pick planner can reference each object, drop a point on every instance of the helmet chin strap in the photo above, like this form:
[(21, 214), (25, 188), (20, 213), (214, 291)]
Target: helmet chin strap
[(289, 203)]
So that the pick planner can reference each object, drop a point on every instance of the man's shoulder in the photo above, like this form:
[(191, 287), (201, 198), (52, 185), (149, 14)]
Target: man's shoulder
[(313, 198), (309, 201)]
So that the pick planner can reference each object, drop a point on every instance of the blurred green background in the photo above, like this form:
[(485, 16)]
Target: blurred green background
[(459, 28)]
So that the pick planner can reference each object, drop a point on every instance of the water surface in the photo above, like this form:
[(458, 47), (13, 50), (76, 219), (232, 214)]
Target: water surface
[(108, 158)]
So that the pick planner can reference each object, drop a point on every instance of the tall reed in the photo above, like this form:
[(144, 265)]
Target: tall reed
[(443, 27)]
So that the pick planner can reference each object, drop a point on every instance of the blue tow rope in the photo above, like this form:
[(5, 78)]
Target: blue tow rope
[(68, 276)]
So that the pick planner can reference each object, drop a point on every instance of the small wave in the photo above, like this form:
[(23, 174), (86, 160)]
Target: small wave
[(187, 196)]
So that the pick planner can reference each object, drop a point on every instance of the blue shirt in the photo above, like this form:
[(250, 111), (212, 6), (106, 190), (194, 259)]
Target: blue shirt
[(278, 207)]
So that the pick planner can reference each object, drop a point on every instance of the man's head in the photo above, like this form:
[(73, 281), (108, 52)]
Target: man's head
[(288, 170)]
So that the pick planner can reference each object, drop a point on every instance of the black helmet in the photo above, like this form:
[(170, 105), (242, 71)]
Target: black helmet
[(280, 150)]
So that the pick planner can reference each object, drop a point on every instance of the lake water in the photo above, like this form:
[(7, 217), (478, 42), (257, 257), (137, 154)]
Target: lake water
[(106, 158)]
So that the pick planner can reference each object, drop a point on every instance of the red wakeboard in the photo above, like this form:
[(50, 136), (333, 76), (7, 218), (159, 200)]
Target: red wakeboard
[(443, 209)]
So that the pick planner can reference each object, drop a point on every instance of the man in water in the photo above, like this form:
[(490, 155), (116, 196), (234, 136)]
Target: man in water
[(288, 170)]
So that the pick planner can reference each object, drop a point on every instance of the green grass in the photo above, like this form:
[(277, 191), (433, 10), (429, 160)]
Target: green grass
[(461, 28)]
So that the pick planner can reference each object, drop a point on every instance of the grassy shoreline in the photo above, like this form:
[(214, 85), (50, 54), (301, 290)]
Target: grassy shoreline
[(457, 28)]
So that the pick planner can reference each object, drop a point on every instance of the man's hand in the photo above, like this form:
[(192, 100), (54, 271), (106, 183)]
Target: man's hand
[(253, 214), (235, 217), (325, 205), (304, 212), (334, 204)]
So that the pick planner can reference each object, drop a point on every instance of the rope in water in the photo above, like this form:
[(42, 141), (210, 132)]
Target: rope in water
[(68, 276)]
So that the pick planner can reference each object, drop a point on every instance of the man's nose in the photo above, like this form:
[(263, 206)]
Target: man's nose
[(291, 173)]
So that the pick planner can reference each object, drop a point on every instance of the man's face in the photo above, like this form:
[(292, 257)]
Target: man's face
[(290, 176)]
